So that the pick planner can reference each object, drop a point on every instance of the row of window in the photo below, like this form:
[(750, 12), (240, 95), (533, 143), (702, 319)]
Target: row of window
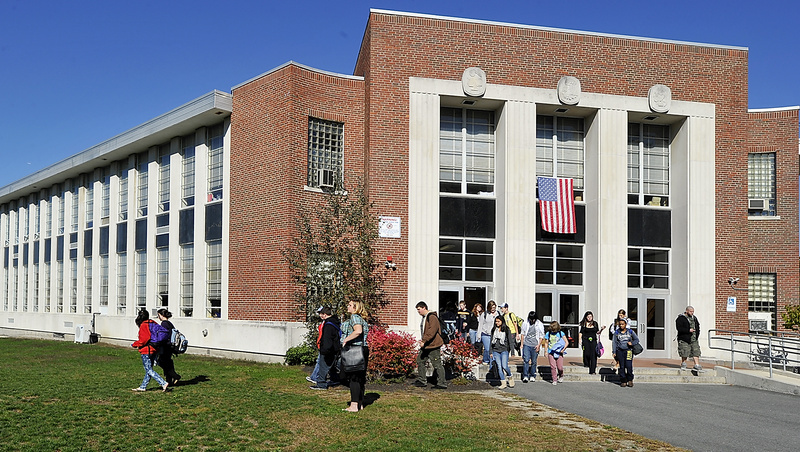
[(49, 296)]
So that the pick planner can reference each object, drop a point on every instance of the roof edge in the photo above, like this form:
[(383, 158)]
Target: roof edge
[(303, 66), (767, 110), (558, 30)]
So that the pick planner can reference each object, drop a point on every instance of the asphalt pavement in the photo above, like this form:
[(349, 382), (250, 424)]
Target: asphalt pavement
[(698, 417)]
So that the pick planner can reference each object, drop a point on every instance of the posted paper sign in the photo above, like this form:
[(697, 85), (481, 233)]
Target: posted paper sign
[(389, 227), (731, 304)]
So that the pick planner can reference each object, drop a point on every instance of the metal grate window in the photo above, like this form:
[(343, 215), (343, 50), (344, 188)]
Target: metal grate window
[(761, 182), (325, 150)]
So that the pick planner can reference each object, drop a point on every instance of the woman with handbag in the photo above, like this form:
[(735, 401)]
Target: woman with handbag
[(355, 331), (588, 337), (625, 339)]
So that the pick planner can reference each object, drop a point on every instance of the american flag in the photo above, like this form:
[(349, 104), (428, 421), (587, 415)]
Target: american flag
[(557, 205)]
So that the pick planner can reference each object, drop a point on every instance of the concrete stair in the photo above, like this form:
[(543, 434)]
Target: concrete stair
[(609, 374)]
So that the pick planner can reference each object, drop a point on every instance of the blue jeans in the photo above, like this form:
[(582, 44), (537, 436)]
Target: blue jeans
[(324, 366), (149, 372), (529, 357), (502, 364), (473, 336), (486, 339)]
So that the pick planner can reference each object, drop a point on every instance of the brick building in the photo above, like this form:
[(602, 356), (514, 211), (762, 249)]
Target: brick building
[(448, 122)]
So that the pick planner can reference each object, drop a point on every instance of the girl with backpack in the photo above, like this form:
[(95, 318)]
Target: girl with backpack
[(148, 350), (165, 354), (555, 342), (588, 336), (624, 340), (532, 334)]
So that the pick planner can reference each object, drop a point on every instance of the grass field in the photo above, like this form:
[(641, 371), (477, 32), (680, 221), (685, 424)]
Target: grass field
[(60, 396)]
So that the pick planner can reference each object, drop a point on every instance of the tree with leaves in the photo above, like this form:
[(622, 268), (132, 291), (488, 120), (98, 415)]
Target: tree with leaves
[(791, 318), (332, 256)]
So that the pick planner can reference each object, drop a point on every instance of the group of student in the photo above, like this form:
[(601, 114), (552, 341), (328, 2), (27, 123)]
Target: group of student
[(155, 352), (498, 334)]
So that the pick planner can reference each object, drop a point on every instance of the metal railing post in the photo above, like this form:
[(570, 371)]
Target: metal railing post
[(733, 350), (769, 354)]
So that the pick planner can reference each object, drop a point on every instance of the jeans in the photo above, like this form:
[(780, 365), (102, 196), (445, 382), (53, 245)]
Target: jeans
[(473, 336), (323, 367), (625, 358), (556, 366), (149, 372), (529, 357), (502, 363), (435, 355), (486, 339)]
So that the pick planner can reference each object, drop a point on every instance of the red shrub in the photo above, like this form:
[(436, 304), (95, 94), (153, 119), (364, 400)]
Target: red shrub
[(460, 356), (391, 354)]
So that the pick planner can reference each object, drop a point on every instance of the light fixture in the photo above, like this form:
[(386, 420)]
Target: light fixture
[(651, 118), (467, 102), (562, 110)]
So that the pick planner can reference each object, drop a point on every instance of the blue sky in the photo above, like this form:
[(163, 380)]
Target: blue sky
[(74, 74)]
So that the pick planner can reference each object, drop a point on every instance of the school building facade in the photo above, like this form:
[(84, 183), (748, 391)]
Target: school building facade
[(447, 122)]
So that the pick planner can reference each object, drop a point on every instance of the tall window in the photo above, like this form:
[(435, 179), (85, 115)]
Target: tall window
[(325, 152), (87, 276), (560, 149), (48, 222), (187, 280), (36, 297), (60, 200), (47, 286), (761, 184), (105, 202), (648, 164), (215, 161), (89, 214), (466, 151), (214, 278), (122, 282), (123, 194), (104, 280), (163, 178), (141, 280), (141, 198), (187, 183), (648, 268), (60, 286), (162, 283), (75, 200), (73, 297), (559, 264)]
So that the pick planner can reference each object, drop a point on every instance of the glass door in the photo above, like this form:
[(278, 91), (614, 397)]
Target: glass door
[(455, 293), (564, 308), (648, 319)]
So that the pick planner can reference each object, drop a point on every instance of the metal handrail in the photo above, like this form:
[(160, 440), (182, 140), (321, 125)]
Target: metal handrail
[(779, 346)]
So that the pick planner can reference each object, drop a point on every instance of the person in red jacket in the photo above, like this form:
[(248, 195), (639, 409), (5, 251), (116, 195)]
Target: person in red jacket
[(147, 351)]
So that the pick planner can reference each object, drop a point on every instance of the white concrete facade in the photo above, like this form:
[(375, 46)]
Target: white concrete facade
[(605, 262)]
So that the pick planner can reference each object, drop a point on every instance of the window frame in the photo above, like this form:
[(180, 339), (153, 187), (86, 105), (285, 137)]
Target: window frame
[(325, 151)]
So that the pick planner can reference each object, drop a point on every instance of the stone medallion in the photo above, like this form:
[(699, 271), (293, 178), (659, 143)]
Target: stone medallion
[(569, 90), (474, 82), (660, 98)]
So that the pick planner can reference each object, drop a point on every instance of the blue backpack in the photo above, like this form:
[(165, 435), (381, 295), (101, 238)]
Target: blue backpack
[(158, 334)]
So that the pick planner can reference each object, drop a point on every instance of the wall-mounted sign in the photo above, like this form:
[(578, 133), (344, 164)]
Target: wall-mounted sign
[(389, 227), (731, 304)]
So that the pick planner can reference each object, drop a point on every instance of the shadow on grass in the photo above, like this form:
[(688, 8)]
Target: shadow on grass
[(193, 381), (370, 398)]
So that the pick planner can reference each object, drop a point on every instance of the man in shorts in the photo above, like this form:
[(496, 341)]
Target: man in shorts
[(688, 328)]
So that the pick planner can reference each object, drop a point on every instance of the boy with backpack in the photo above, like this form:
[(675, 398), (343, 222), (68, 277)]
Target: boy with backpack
[(329, 345)]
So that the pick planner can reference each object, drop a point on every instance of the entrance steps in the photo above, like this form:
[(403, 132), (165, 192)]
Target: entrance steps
[(606, 373)]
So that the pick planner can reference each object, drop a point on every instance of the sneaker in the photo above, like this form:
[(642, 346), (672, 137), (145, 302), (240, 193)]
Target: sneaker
[(630, 384), (311, 380), (438, 387), (697, 367), (319, 388), (623, 384), (524, 379), (561, 379), (683, 366), (555, 382), (420, 384)]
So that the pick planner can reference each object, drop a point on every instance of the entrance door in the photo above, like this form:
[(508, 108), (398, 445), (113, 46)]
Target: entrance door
[(564, 308), (649, 314), (471, 295)]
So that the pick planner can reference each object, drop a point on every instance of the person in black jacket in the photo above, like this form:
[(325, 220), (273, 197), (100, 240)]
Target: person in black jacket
[(329, 346), (688, 328), (165, 352)]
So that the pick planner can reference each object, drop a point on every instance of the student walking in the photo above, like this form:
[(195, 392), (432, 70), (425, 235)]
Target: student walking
[(588, 336), (555, 342), (165, 353), (147, 351), (624, 340), (502, 344), (532, 334), (485, 325)]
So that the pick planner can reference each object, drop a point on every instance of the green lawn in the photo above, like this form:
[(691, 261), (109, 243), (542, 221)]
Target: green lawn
[(56, 395)]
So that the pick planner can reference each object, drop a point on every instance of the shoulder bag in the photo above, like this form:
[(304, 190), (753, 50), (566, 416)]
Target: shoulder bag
[(354, 358)]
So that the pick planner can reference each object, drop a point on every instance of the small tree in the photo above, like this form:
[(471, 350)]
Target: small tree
[(332, 257), (791, 318)]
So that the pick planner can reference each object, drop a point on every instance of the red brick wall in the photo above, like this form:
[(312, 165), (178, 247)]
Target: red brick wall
[(402, 46), (269, 150), (773, 244)]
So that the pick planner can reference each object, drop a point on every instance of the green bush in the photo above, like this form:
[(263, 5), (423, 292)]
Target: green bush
[(301, 355)]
